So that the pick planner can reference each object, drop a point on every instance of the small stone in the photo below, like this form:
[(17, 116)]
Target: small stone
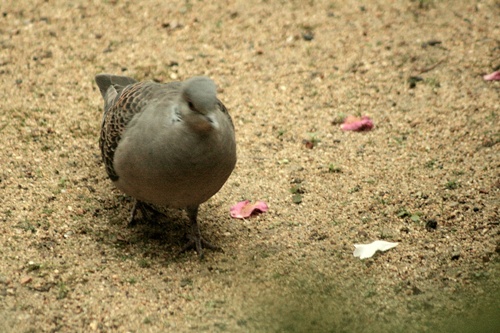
[(32, 266), (413, 81), (308, 36), (171, 25), (308, 144), (432, 42), (416, 291), (26, 280), (45, 287), (431, 225), (362, 233), (4, 280), (93, 325)]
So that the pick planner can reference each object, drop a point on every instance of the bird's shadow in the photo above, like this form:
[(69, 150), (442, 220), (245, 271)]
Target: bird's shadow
[(151, 235)]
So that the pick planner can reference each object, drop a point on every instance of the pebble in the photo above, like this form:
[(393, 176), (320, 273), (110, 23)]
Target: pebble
[(4, 280), (308, 36), (93, 325), (431, 225), (26, 280)]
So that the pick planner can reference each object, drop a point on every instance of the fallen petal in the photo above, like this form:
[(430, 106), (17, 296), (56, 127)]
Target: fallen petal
[(364, 251), (352, 123), (244, 209), (495, 76)]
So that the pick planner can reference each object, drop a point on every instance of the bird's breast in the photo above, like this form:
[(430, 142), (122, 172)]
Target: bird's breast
[(169, 164)]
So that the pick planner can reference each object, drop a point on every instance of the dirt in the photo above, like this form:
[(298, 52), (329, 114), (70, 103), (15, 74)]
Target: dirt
[(426, 176)]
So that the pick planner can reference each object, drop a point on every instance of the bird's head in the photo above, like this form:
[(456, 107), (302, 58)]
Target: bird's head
[(199, 104)]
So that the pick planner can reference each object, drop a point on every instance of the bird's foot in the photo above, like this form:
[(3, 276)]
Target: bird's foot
[(148, 213), (198, 243)]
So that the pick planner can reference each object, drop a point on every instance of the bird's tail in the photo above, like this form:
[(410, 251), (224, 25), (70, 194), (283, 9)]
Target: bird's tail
[(111, 85), (105, 81)]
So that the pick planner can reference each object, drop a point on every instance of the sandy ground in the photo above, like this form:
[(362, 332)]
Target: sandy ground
[(427, 175)]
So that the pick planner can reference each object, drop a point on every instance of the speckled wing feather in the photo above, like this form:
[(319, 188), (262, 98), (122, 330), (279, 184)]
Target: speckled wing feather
[(123, 98)]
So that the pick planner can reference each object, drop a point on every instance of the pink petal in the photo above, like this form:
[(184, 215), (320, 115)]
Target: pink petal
[(244, 209), (495, 76), (352, 123), (236, 209)]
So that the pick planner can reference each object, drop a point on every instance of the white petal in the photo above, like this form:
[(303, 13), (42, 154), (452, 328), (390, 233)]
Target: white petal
[(364, 251)]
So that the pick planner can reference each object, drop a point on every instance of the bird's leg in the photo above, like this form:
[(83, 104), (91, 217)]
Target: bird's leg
[(148, 213), (132, 222), (196, 241)]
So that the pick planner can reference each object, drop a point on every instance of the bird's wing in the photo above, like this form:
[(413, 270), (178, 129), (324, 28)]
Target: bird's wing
[(123, 99)]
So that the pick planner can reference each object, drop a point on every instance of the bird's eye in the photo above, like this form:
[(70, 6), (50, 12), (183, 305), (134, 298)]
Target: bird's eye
[(222, 108), (191, 105)]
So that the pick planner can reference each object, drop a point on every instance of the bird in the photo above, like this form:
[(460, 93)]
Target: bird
[(167, 145)]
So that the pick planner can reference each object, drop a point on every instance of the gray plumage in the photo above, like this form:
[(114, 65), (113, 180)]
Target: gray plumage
[(167, 145)]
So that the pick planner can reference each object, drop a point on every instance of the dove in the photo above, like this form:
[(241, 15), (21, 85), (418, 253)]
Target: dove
[(168, 145)]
